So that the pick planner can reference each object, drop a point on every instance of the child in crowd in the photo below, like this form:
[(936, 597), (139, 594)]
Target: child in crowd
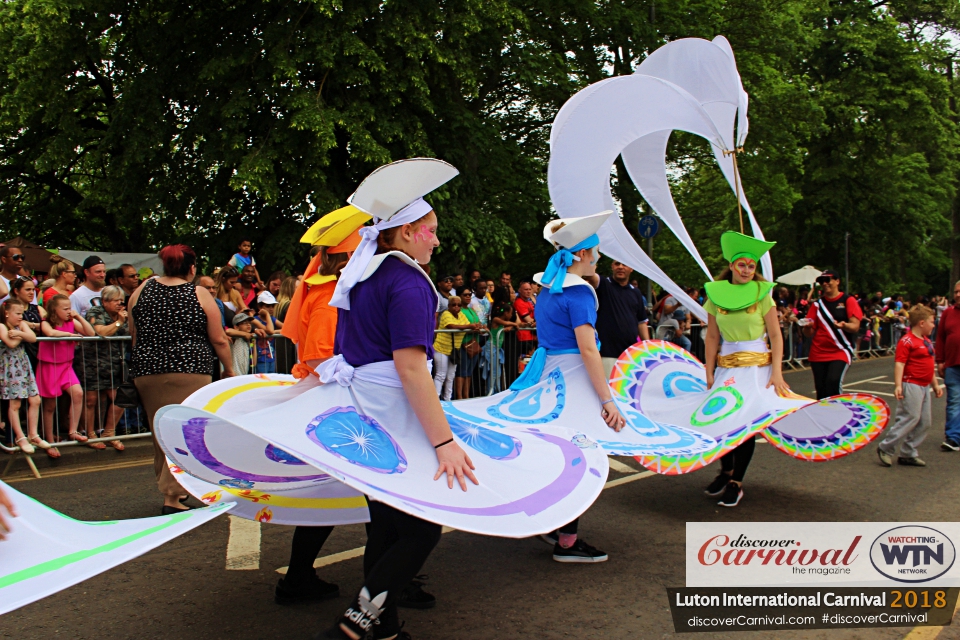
[(266, 354), (446, 347), (17, 381), (242, 347), (55, 372), (243, 258), (913, 373)]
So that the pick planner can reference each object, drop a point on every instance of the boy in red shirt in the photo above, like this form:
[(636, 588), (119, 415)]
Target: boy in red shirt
[(913, 373)]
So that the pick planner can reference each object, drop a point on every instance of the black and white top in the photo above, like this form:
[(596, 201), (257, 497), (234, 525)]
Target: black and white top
[(171, 331)]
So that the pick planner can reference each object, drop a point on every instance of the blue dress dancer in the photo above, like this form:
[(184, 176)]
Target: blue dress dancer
[(566, 321)]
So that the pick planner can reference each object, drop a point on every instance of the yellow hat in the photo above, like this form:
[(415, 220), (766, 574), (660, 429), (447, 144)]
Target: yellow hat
[(335, 227)]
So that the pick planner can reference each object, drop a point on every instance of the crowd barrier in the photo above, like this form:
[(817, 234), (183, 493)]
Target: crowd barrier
[(101, 363)]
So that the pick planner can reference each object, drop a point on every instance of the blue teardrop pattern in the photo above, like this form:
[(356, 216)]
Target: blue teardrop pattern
[(279, 455), (537, 405), (358, 439), (493, 444), (677, 383)]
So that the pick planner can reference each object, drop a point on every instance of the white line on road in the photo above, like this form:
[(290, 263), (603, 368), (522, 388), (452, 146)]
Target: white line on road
[(867, 380), (356, 553), (243, 545), (619, 467), (869, 392), (928, 633)]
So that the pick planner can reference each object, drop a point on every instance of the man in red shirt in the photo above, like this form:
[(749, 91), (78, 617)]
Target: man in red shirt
[(948, 367), (524, 306), (834, 323)]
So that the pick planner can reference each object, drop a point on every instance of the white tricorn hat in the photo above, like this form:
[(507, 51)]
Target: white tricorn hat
[(569, 232), (393, 195), (398, 185)]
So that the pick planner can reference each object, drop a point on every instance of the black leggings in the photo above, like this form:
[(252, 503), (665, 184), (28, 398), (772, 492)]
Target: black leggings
[(307, 542), (570, 527), (738, 460), (828, 377), (397, 546)]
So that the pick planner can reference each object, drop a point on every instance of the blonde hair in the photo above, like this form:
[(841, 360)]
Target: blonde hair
[(60, 265), (455, 300), (287, 288), (918, 314)]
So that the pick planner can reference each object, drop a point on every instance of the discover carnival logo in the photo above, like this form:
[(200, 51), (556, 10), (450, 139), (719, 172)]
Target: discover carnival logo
[(912, 554), (743, 551)]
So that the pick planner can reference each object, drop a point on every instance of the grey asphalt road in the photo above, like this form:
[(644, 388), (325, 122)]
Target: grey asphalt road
[(486, 587)]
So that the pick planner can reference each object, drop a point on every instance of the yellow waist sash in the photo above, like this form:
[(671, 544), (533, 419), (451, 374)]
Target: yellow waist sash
[(744, 359)]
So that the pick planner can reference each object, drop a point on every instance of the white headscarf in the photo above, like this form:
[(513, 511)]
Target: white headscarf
[(361, 258)]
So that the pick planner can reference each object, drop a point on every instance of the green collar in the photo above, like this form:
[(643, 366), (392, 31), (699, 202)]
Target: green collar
[(735, 297)]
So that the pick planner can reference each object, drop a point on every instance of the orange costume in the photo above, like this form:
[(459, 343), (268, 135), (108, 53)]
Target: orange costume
[(311, 321)]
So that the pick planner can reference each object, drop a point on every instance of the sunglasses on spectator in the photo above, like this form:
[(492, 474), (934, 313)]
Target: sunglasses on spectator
[(18, 256)]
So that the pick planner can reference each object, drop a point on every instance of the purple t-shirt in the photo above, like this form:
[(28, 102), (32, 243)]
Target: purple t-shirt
[(392, 309)]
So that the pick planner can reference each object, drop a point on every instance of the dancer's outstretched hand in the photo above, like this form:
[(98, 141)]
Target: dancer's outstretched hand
[(778, 383), (454, 461), (611, 415), (5, 505)]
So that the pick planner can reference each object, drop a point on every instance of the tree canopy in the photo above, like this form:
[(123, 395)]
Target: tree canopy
[(127, 125)]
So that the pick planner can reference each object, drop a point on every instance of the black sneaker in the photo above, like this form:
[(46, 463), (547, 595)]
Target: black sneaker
[(311, 591), (414, 597), (911, 462), (550, 538), (716, 487), (360, 617), (579, 552), (950, 445), (731, 495)]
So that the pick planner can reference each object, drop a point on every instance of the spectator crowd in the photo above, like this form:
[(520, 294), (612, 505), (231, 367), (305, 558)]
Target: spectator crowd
[(56, 391)]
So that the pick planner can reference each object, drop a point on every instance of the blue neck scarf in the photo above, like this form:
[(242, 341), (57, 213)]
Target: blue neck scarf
[(556, 271)]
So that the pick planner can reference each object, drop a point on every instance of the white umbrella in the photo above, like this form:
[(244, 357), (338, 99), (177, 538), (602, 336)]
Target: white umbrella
[(806, 275)]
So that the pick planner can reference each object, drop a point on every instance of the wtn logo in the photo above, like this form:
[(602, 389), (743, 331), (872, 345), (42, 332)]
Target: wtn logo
[(912, 554), (897, 554)]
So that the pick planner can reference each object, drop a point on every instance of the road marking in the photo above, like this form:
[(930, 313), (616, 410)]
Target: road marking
[(928, 633), (349, 554), (54, 473), (869, 392), (630, 478), (867, 380), (334, 558), (243, 545), (618, 466)]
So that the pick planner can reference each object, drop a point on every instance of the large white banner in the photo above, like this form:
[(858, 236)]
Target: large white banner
[(814, 554), (47, 551)]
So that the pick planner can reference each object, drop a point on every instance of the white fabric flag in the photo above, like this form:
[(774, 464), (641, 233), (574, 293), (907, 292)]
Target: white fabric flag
[(47, 551)]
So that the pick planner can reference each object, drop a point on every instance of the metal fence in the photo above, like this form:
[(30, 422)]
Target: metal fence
[(100, 364), (877, 337)]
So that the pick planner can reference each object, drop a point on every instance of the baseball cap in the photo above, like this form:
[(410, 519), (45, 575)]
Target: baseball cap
[(445, 278), (266, 297), (240, 317), (827, 275), (91, 262)]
